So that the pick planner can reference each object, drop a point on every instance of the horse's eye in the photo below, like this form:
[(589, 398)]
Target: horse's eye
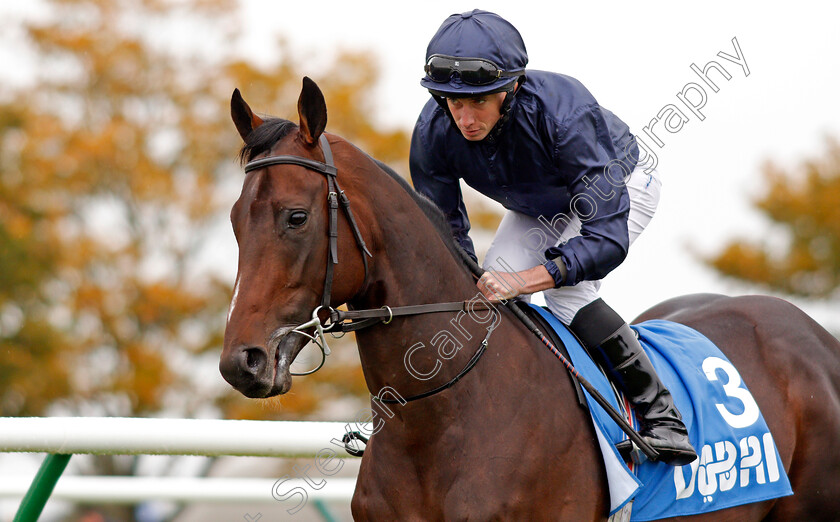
[(297, 219)]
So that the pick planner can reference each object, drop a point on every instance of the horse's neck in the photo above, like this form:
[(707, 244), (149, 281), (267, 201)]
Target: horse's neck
[(414, 266), (411, 272), (399, 359), (511, 388)]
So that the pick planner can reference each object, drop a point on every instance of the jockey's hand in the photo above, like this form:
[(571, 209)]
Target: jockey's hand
[(499, 286)]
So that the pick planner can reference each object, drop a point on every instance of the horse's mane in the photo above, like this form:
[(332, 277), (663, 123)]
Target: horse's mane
[(431, 210), (272, 130)]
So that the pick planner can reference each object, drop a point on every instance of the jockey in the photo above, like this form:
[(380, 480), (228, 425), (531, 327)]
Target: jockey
[(566, 169)]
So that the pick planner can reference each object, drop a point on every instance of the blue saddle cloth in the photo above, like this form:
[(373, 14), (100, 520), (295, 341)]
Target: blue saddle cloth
[(738, 460)]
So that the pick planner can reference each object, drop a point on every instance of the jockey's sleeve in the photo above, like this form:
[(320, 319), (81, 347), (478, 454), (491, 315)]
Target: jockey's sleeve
[(600, 199), (443, 190)]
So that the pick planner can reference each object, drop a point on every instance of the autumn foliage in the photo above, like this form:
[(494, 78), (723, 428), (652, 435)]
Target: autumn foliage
[(804, 205), (117, 169)]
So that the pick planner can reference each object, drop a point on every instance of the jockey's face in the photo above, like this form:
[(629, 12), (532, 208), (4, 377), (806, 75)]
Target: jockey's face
[(476, 116)]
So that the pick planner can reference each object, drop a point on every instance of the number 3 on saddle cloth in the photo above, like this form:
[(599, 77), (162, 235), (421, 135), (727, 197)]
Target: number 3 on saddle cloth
[(738, 461)]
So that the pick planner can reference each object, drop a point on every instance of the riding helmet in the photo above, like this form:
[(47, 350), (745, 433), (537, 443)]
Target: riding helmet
[(477, 34)]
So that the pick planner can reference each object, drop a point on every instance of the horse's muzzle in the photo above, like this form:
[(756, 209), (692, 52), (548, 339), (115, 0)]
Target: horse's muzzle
[(260, 372)]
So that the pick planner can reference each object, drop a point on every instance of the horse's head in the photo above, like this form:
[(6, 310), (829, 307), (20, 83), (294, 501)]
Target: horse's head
[(282, 226)]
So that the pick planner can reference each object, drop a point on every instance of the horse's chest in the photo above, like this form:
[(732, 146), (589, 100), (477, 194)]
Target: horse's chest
[(473, 482)]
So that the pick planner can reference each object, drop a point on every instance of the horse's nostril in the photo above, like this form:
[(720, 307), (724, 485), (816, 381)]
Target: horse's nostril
[(255, 359)]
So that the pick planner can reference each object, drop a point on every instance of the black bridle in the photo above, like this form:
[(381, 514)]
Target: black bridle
[(334, 195), (365, 318), (359, 318)]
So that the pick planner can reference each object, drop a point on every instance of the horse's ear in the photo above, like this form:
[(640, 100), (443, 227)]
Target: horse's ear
[(244, 119), (312, 110)]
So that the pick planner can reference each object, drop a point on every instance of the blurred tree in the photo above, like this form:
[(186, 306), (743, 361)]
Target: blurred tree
[(117, 165), (805, 205), (117, 169)]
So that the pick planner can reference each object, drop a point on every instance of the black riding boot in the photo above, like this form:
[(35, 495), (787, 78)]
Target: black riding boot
[(613, 344)]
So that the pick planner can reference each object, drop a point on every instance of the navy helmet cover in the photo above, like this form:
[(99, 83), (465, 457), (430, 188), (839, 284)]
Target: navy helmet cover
[(477, 34)]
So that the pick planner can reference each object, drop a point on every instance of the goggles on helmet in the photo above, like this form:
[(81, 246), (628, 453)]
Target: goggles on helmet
[(472, 71)]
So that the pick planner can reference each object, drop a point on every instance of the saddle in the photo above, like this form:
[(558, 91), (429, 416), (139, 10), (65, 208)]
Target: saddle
[(626, 449), (738, 461)]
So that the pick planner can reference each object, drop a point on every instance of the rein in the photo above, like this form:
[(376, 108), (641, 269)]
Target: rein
[(470, 364), (337, 320), (632, 434), (365, 318)]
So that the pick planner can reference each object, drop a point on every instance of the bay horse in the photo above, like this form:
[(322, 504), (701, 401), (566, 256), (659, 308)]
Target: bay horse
[(508, 440)]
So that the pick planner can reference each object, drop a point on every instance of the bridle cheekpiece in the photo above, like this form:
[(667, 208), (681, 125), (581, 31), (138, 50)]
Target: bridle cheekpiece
[(334, 196)]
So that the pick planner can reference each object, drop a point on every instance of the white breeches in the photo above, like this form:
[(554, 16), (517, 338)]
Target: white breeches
[(520, 243)]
